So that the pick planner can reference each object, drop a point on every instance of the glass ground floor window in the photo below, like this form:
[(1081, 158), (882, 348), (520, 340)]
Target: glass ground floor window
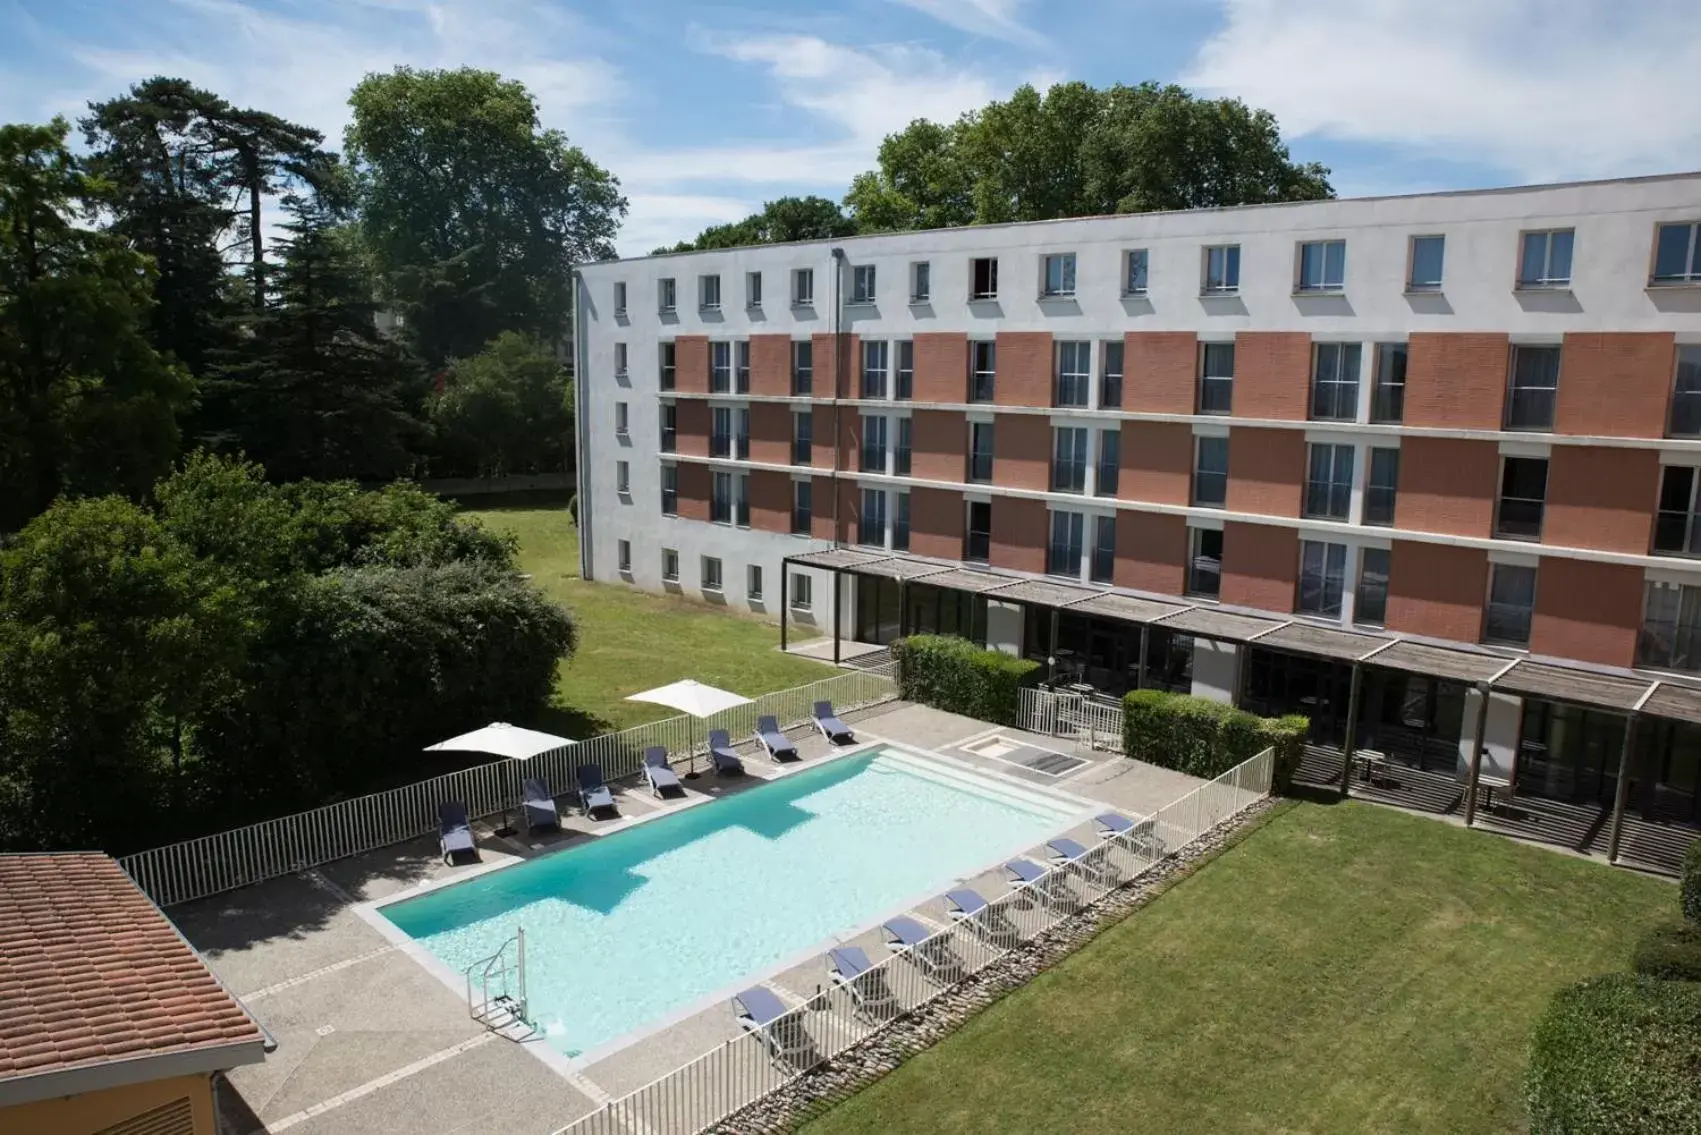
[(939, 610), (1414, 720), (1278, 683)]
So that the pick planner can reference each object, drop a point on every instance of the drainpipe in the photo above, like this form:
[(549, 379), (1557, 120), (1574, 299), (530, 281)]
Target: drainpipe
[(838, 381)]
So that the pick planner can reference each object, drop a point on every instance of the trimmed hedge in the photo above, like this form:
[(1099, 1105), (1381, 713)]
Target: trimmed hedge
[(957, 676), (1620, 1053), (1691, 886), (1672, 951), (1207, 738)]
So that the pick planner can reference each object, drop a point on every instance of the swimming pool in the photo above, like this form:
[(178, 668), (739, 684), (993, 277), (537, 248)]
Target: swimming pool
[(629, 928)]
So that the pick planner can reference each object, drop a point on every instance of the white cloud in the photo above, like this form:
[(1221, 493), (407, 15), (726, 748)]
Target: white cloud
[(659, 219), (995, 19), (1544, 89)]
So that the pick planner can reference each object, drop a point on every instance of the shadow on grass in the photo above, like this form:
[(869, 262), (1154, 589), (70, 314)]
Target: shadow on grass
[(1314, 793), (568, 721), (524, 501)]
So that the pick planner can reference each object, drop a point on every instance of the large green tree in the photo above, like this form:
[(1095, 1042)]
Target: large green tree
[(1080, 151), (507, 409), (786, 219), (474, 214)]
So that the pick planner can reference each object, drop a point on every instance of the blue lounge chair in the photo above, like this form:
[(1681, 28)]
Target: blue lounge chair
[(760, 1011), (1113, 824), (726, 761), (1091, 864), (830, 726), (988, 921), (663, 780), (540, 805), (594, 795), (904, 935), (852, 971), (774, 742), (1026, 875), (1141, 836), (454, 832)]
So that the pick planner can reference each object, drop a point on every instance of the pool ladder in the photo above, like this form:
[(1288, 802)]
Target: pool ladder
[(496, 989)]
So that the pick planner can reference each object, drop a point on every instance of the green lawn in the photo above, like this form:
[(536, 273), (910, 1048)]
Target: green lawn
[(1346, 968), (630, 640)]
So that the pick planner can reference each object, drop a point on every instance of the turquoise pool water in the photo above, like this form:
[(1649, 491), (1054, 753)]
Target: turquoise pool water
[(628, 928)]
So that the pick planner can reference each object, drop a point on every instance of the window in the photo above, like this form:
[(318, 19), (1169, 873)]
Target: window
[(862, 283), (670, 490), (1675, 530), (1523, 489), (803, 287), (1677, 254), (921, 282), (670, 566), (980, 452), (720, 368), (741, 367), (720, 431), (1103, 566), (901, 522), (666, 304), (1686, 393), (623, 477), (983, 369), (1216, 377), (1110, 462), (983, 278), (668, 370), (802, 506), (1511, 598), (623, 554), (720, 499), (1370, 604), (1069, 460), (619, 298), (1210, 472), (753, 298), (753, 583), (802, 437), (1222, 269), (1427, 254), (1073, 374), (1322, 576), (875, 353), (802, 367), (905, 387), (1381, 487), (669, 427), (709, 293), (871, 525), (1322, 266), (621, 419), (802, 592), (873, 444), (1134, 272), (741, 500), (901, 450), (1671, 628), (977, 534), (1546, 259), (620, 360), (1535, 384), (1334, 381), (1110, 380), (711, 573), (1329, 483), (1205, 562), (1388, 389), (1063, 554), (1058, 275)]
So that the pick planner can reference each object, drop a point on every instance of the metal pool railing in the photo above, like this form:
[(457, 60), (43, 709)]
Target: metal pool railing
[(741, 1072), (211, 864), (1095, 721)]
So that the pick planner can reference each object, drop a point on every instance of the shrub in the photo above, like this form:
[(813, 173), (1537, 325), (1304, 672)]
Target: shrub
[(1691, 886), (1207, 738), (955, 675), (1620, 1053), (1670, 951)]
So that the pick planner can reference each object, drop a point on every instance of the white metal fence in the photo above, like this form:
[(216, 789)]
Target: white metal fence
[(740, 1072), (1095, 722), (210, 864)]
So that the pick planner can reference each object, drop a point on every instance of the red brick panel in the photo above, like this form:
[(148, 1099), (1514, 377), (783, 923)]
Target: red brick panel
[(770, 365), (695, 484), (936, 523), (1260, 565), (1437, 590), (1021, 451), (939, 441), (691, 425), (941, 366), (770, 500), (1160, 371), (1447, 485), (691, 364), (1456, 379), (1587, 611), (821, 501), (1601, 498), (1157, 462), (821, 445), (1266, 471), (1615, 384), (770, 433), (1019, 532), (826, 364), (1151, 552), (850, 510), (850, 439), (1272, 375), (1024, 369)]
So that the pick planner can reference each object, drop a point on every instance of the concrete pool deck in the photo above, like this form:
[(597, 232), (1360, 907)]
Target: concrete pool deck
[(369, 1040)]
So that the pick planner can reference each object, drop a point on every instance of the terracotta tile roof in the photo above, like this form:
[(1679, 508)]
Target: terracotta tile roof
[(91, 972)]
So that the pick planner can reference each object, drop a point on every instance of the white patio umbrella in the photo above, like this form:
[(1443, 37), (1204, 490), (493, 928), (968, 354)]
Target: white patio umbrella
[(503, 740), (695, 698)]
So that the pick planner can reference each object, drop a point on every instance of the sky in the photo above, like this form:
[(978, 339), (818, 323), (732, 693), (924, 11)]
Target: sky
[(705, 110)]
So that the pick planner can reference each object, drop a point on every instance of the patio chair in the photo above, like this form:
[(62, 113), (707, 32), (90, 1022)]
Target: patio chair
[(594, 794), (774, 742), (1141, 836), (969, 908), (760, 1011), (830, 726), (539, 805), (855, 974), (454, 832), (726, 761), (1026, 875), (1091, 864), (659, 773), (930, 953)]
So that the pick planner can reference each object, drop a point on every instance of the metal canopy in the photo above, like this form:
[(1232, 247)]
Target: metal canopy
[(1209, 622), (1466, 666), (1114, 606), (975, 582), (1671, 699), (837, 558), (1041, 593), (1564, 683), (1304, 638)]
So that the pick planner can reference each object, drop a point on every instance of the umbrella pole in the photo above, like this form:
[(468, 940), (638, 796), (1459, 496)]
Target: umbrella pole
[(691, 773)]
